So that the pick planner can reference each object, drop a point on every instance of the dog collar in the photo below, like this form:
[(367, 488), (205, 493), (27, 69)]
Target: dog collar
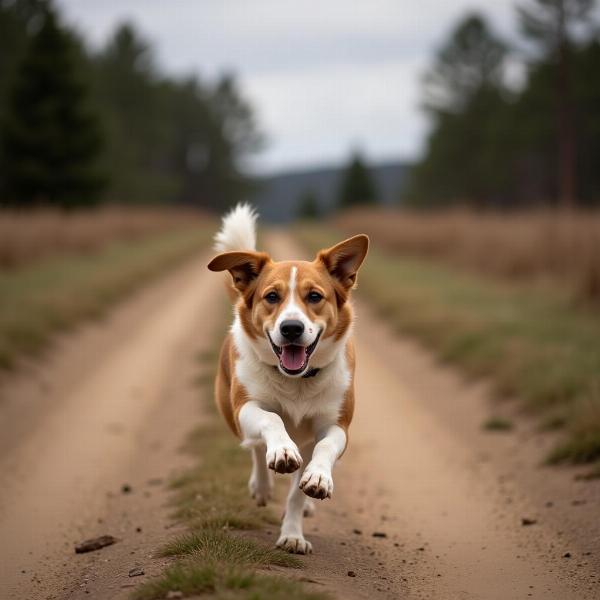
[(311, 372)]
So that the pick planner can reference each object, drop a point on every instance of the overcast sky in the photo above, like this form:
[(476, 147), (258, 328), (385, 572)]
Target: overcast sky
[(323, 76)]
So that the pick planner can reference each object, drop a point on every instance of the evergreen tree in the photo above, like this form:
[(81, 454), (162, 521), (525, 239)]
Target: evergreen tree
[(51, 138), (465, 98), (357, 185), (308, 205), (551, 23)]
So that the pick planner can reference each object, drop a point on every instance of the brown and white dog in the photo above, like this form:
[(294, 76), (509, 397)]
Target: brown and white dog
[(285, 379)]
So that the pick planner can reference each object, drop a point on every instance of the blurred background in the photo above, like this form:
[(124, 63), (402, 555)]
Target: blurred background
[(464, 137)]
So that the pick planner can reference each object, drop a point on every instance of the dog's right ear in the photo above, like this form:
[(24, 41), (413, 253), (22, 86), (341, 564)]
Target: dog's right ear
[(244, 267)]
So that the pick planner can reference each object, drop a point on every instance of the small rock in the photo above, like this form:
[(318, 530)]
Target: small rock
[(138, 529), (357, 531), (421, 549), (95, 544), (174, 595), (379, 534), (526, 521), (136, 572), (126, 488), (567, 555), (351, 574)]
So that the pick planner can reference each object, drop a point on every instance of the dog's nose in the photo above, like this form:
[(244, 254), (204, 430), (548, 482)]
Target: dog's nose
[(291, 329)]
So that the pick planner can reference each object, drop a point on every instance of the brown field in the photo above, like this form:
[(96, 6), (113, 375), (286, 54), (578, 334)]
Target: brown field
[(563, 247), (28, 236)]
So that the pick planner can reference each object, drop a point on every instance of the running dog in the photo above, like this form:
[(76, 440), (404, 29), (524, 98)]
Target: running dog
[(285, 381)]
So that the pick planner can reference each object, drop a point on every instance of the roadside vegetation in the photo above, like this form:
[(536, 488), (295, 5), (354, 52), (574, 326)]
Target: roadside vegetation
[(216, 557), (39, 298), (28, 236), (560, 248), (531, 341)]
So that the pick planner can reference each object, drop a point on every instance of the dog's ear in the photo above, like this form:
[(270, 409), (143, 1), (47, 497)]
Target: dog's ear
[(343, 260), (244, 267)]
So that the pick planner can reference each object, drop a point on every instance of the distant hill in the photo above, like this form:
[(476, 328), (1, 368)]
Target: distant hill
[(278, 196)]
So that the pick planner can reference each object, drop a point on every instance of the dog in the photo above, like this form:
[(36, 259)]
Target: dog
[(285, 380)]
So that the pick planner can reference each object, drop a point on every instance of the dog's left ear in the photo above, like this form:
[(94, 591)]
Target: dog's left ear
[(244, 267), (344, 259)]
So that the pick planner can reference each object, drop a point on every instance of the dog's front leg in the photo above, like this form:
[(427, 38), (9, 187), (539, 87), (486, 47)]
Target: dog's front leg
[(292, 537), (260, 426), (316, 481)]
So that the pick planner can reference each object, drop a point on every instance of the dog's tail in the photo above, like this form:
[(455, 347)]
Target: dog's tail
[(238, 230)]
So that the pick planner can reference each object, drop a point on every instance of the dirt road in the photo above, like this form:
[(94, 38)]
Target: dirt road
[(115, 401), (109, 409)]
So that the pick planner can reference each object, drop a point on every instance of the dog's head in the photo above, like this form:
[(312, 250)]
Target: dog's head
[(295, 311)]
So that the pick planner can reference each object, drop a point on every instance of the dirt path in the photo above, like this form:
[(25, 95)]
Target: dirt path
[(449, 497), (109, 408), (114, 401)]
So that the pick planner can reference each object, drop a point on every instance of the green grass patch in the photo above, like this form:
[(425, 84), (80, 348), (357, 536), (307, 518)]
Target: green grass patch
[(533, 343), (223, 582), (497, 424), (40, 299), (214, 558), (218, 545)]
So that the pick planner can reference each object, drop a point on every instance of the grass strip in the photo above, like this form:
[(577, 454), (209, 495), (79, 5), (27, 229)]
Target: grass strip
[(40, 299), (214, 558), (533, 344)]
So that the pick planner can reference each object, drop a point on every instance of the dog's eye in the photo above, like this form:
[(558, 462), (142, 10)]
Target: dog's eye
[(272, 297), (314, 297)]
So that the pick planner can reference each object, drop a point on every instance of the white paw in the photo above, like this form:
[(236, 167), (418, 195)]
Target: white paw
[(260, 490), (316, 483), (309, 508), (284, 459), (296, 544)]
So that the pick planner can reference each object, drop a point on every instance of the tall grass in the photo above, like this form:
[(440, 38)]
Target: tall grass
[(547, 245), (39, 299), (26, 237)]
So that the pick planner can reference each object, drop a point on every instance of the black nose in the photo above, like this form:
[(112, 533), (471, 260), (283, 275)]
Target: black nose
[(291, 329)]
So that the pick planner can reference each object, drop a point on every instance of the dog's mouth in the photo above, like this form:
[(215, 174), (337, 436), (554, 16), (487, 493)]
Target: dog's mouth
[(293, 358)]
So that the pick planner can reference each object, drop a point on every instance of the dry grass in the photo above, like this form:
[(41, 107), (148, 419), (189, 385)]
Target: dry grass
[(39, 299), (562, 247), (529, 341), (29, 236)]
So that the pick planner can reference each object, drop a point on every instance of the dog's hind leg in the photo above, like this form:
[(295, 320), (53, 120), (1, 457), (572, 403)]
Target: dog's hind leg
[(261, 481), (309, 507), (291, 537)]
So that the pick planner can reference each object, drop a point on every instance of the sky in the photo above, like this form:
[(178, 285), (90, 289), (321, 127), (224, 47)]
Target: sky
[(324, 77)]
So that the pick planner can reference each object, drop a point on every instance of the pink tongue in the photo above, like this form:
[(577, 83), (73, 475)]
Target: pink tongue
[(292, 357)]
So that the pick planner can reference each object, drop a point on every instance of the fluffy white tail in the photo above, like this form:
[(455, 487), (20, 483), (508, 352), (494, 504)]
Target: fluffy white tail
[(238, 231)]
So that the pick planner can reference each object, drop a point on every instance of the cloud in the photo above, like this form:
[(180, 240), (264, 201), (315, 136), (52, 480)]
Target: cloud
[(323, 75)]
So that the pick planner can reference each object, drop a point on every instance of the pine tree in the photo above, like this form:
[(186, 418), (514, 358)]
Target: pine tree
[(308, 205), (552, 24), (357, 185), (52, 139)]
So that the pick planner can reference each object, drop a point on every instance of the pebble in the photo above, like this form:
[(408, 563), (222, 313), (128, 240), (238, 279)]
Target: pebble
[(136, 572), (95, 544), (379, 534), (525, 521), (351, 574)]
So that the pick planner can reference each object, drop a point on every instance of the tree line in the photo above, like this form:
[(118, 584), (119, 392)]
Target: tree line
[(493, 143), (81, 126)]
